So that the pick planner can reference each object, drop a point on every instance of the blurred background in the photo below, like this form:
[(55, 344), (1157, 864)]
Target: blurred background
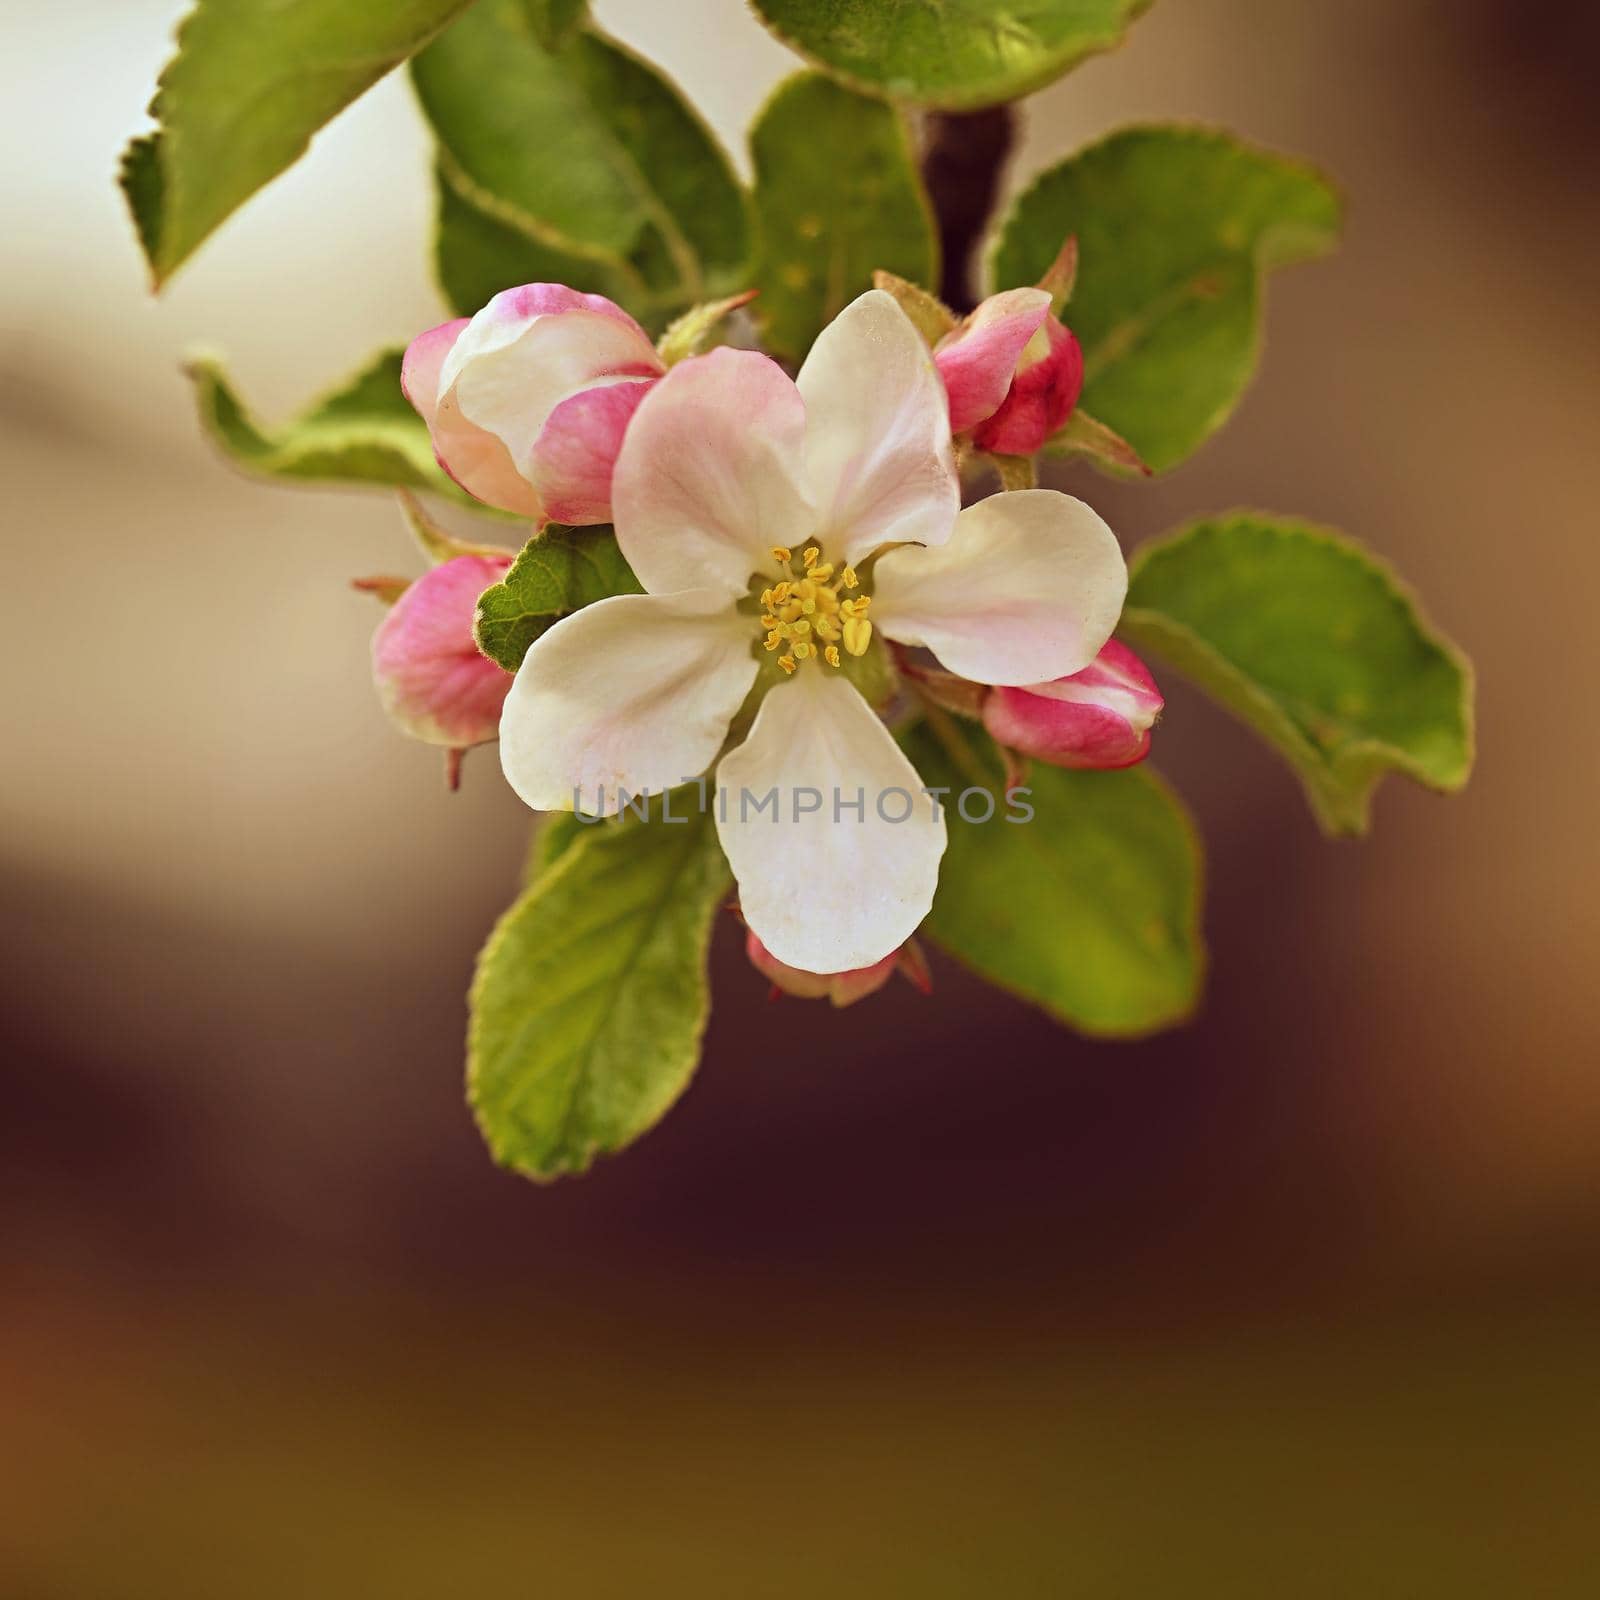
[(1301, 1300)]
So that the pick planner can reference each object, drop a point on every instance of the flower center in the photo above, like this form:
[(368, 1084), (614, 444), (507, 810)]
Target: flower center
[(813, 614)]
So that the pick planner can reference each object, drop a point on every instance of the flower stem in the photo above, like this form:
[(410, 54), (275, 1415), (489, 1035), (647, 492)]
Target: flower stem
[(946, 731)]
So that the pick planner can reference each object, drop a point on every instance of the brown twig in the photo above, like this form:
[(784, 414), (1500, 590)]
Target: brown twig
[(964, 154)]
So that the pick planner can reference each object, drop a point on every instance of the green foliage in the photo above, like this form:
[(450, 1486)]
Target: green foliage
[(957, 54), (1315, 644), (591, 994), (476, 255), (837, 196), (588, 152), (362, 433), (554, 21), (250, 84), (559, 570), (1091, 909), (1175, 228)]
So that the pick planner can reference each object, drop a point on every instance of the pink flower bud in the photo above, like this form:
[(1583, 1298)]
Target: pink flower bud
[(842, 988), (527, 402), (978, 358), (1048, 381), (1098, 718), (431, 677)]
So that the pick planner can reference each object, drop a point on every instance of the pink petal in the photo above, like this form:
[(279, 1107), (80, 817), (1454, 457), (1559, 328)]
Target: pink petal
[(577, 451), (471, 456), (979, 359), (1099, 718), (709, 475), (548, 299), (424, 358), (1046, 388), (842, 988), (431, 677)]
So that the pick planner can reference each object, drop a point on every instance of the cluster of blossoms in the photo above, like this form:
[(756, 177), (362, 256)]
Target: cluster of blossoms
[(782, 530)]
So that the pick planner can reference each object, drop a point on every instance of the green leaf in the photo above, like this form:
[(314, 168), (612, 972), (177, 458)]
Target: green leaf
[(957, 54), (1175, 227), (362, 433), (559, 570), (476, 255), (1317, 645), (586, 150), (554, 21), (1091, 909), (837, 197), (591, 995), (250, 84)]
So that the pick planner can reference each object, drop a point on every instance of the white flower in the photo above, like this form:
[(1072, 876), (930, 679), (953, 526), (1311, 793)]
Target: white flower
[(744, 502)]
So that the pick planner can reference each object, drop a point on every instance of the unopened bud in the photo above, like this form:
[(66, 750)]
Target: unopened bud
[(1098, 718)]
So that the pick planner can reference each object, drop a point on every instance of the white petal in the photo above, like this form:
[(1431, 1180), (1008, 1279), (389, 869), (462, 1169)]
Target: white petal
[(879, 461), (1028, 589), (635, 693), (507, 374), (709, 475), (827, 890)]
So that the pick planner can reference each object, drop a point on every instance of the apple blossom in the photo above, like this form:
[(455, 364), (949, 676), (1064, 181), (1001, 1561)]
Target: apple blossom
[(527, 402), (1097, 718), (841, 988), (431, 677), (793, 518)]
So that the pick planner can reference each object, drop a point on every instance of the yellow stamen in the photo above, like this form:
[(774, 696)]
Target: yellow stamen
[(779, 594), (804, 650), (769, 621), (799, 629), (857, 635), (772, 641), (820, 574), (792, 610), (826, 628), (832, 655), (787, 663), (781, 555), (848, 578), (811, 556)]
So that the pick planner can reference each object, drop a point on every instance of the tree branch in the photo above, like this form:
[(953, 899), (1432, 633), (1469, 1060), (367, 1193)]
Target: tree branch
[(963, 157)]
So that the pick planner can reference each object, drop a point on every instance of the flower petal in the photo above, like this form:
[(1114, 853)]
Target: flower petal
[(634, 692), (431, 677), (474, 458), (710, 473), (1043, 395), (879, 460), (824, 889), (842, 988), (1028, 589), (978, 359), (1097, 719), (528, 350), (574, 458)]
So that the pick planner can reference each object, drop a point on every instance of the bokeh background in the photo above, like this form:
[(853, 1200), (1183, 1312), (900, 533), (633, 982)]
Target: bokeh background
[(923, 1299)]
